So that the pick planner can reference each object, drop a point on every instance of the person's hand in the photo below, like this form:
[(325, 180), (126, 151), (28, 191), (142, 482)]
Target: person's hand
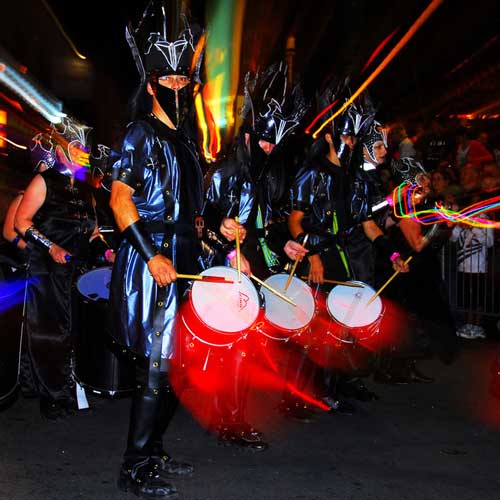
[(399, 265), (295, 250), (244, 264), (228, 229), (316, 269), (162, 270), (59, 255), (110, 256)]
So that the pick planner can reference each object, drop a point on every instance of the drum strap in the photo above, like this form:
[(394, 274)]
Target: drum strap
[(269, 256), (339, 248), (155, 365)]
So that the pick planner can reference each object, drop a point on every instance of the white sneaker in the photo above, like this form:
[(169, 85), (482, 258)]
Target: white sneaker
[(478, 332), (466, 332)]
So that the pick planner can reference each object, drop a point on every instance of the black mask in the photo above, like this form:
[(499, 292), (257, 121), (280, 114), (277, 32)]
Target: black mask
[(174, 103)]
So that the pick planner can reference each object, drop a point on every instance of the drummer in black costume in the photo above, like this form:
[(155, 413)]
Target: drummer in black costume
[(155, 199), (252, 185), (366, 207), (318, 212), (56, 218)]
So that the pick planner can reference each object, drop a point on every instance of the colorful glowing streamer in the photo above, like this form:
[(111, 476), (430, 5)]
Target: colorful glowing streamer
[(405, 199)]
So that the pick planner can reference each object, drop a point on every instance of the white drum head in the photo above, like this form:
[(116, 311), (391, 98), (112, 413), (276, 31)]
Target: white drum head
[(348, 305), (282, 314), (95, 284), (225, 307)]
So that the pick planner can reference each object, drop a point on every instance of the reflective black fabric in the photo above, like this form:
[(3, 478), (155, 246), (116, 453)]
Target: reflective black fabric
[(318, 192), (67, 218), (241, 186), (168, 193)]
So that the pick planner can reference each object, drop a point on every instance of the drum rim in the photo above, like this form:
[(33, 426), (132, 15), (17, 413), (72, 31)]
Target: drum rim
[(244, 278)]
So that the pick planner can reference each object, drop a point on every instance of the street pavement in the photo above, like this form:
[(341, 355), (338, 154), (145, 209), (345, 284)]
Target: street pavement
[(435, 441)]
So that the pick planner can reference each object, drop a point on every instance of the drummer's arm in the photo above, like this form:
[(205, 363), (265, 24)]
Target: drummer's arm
[(412, 232), (9, 232), (378, 238), (32, 201), (129, 223)]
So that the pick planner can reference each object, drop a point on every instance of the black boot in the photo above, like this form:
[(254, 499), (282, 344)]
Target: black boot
[(145, 480), (242, 435), (168, 466)]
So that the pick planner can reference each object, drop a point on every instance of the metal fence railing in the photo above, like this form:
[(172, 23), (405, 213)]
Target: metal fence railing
[(470, 264)]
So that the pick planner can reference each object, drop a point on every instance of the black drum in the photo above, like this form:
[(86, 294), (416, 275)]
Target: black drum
[(11, 312), (99, 363)]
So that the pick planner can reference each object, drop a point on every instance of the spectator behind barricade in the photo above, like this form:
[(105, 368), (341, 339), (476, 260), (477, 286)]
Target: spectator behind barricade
[(444, 186), (401, 145), (470, 184), (472, 245), (437, 147), (490, 179), (470, 150)]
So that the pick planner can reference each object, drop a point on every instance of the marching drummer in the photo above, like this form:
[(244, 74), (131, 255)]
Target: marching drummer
[(156, 198), (246, 194), (56, 217), (317, 213)]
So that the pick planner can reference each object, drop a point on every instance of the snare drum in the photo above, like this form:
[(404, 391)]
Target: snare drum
[(348, 307), (98, 363), (283, 320), (219, 314)]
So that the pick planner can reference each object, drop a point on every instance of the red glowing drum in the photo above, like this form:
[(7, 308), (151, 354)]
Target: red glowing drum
[(283, 320), (219, 314), (349, 308)]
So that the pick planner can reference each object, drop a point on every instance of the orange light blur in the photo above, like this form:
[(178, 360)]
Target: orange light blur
[(392, 54)]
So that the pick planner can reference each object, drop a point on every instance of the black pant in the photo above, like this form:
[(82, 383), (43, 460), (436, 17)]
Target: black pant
[(151, 412)]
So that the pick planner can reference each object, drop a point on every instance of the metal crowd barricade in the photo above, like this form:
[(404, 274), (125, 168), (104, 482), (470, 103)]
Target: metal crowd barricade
[(473, 292)]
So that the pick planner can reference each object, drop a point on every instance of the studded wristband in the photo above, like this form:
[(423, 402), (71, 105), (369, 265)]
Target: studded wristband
[(33, 235)]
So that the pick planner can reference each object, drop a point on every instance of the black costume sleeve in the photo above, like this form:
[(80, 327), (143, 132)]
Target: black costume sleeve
[(135, 147)]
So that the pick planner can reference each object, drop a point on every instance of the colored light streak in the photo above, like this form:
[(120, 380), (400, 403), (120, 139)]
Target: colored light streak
[(210, 131), (10, 101), (377, 51), (20, 146), (48, 107), (392, 54), (328, 108), (63, 33), (225, 18), (406, 197)]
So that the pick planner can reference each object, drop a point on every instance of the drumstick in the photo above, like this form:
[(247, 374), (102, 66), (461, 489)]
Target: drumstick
[(387, 282), (271, 289), (238, 254), (335, 282), (297, 260), (208, 279)]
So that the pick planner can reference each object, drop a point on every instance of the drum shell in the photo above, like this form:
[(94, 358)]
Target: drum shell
[(192, 328), (100, 363)]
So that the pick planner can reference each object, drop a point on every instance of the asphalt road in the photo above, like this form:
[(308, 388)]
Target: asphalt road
[(427, 442)]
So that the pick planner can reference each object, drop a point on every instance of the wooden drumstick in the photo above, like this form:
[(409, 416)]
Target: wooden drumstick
[(335, 282), (208, 279), (271, 289), (387, 282), (297, 260), (238, 254)]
